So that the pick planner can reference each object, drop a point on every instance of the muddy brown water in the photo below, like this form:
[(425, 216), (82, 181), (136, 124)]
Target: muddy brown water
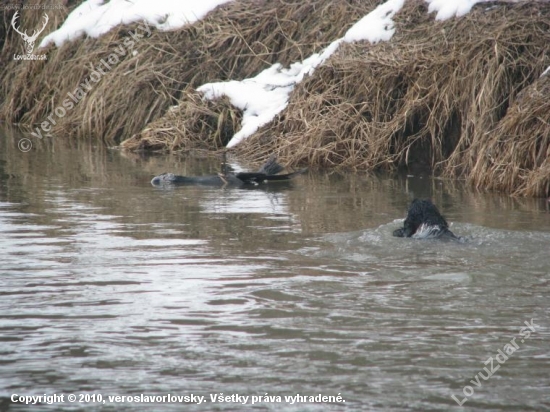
[(110, 286)]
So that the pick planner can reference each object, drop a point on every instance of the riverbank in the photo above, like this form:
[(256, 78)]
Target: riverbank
[(463, 97)]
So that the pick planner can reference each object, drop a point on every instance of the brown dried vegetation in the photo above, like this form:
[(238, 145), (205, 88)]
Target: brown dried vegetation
[(463, 97)]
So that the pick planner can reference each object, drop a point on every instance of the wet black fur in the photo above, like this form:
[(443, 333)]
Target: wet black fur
[(424, 213)]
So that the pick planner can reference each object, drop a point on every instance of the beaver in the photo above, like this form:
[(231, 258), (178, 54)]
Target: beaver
[(266, 173)]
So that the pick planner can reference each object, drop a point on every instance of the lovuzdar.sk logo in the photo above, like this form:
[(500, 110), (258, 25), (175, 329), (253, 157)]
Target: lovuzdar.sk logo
[(29, 40)]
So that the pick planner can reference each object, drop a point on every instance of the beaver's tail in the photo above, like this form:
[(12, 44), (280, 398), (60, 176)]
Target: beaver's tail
[(257, 177)]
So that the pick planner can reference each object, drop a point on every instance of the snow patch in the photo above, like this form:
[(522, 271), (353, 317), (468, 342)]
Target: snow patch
[(263, 97), (96, 17), (450, 8), (377, 25)]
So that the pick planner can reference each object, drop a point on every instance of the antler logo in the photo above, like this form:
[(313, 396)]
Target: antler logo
[(29, 39)]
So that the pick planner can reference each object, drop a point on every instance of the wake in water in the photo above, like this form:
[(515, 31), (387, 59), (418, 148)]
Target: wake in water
[(486, 251)]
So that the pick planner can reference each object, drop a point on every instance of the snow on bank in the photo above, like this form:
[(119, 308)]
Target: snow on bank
[(96, 17), (377, 25), (449, 8), (262, 97), (456, 8)]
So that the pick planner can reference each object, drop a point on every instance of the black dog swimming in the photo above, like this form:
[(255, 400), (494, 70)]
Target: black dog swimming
[(266, 173), (424, 222)]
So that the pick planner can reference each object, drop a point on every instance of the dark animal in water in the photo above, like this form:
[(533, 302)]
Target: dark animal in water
[(266, 173), (424, 221)]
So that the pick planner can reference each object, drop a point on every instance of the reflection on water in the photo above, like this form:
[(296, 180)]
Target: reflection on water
[(112, 286)]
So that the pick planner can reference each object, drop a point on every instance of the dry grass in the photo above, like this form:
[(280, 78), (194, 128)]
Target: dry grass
[(197, 123), (235, 41), (194, 124), (461, 97), (437, 96), (516, 153)]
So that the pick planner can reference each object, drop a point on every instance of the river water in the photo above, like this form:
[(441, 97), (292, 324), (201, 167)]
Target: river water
[(110, 286)]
